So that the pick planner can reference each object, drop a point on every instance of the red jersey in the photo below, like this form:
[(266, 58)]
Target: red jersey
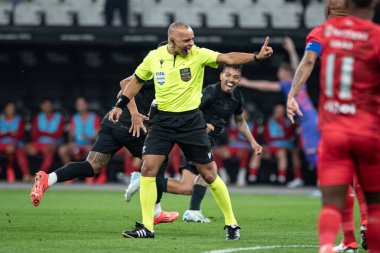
[(350, 75), (48, 128)]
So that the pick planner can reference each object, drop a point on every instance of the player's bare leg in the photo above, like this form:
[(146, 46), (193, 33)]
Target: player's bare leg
[(282, 164), (183, 186), (254, 165)]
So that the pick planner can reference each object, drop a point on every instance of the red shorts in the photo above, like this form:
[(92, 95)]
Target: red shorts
[(273, 150), (39, 147), (238, 151), (81, 150), (3, 146), (341, 155)]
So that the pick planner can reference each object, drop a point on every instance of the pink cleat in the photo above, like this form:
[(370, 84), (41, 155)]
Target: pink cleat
[(166, 217), (39, 187)]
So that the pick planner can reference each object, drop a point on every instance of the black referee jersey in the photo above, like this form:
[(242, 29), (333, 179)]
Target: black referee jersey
[(143, 101), (218, 106)]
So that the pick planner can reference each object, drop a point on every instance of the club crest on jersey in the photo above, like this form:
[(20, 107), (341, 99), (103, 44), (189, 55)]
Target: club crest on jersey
[(185, 74), (160, 77)]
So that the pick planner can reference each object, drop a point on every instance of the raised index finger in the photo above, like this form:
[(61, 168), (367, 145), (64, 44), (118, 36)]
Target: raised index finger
[(266, 42)]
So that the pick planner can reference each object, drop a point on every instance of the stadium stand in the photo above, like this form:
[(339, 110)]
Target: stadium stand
[(64, 49), (314, 14), (160, 13), (5, 12)]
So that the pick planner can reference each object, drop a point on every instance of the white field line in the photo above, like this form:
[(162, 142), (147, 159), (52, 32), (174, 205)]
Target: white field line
[(259, 248)]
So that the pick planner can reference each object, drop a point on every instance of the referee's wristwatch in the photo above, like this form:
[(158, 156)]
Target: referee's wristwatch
[(255, 57)]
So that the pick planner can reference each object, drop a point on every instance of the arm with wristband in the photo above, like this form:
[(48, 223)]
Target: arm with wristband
[(242, 58), (127, 100)]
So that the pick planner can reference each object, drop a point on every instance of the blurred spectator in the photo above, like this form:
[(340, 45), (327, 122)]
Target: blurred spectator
[(131, 163), (12, 128), (84, 126), (308, 122), (46, 134), (278, 133), (238, 147), (116, 6), (296, 162)]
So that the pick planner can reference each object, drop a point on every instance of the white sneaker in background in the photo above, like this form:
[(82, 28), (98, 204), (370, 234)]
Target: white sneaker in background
[(352, 248), (241, 182), (295, 183), (252, 178), (224, 175), (272, 178), (281, 179)]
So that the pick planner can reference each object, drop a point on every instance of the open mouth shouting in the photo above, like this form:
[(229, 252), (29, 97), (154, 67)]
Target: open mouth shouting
[(230, 86)]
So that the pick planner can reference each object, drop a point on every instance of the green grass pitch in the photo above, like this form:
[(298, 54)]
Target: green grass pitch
[(92, 221)]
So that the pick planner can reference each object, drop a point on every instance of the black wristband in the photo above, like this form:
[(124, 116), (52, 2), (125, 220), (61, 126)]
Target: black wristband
[(122, 102), (255, 57)]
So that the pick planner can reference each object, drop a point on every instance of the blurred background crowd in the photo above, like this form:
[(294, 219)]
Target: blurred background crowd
[(61, 62)]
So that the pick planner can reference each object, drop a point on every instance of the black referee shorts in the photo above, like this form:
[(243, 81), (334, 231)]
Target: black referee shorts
[(187, 129), (111, 139)]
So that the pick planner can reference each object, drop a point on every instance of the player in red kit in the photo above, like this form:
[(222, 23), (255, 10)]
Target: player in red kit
[(349, 116), (314, 50)]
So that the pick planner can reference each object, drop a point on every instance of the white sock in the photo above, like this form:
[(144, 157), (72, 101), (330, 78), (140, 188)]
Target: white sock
[(157, 210), (52, 178)]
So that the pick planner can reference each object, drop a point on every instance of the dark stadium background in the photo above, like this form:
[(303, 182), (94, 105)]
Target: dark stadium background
[(64, 62)]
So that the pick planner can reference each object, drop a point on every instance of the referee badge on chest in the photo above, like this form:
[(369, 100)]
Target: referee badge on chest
[(160, 77), (185, 74)]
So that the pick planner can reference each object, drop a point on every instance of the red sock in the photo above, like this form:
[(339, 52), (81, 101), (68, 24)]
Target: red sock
[(282, 172), (11, 176), (373, 228), (218, 160), (102, 177), (48, 161), (244, 158), (297, 172), (253, 171), (328, 225), (362, 203), (348, 225), (23, 162)]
